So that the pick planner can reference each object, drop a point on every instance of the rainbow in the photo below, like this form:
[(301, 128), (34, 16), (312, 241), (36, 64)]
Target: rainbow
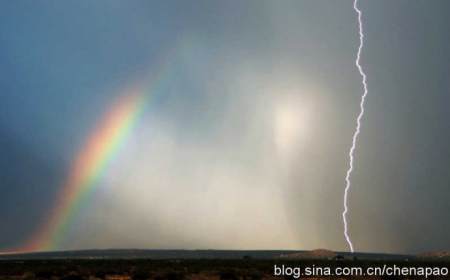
[(92, 161), (97, 153)]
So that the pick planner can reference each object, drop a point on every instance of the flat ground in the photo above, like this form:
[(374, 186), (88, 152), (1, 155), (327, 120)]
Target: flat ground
[(198, 269)]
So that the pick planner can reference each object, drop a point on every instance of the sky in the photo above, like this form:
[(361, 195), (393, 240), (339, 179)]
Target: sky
[(223, 125)]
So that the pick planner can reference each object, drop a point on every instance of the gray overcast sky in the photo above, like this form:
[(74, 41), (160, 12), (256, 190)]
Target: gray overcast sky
[(244, 143)]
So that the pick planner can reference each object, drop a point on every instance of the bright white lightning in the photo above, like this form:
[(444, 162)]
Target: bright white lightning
[(358, 127)]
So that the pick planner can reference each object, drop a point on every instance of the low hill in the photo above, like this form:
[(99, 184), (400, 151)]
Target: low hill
[(197, 254), (431, 255), (311, 255)]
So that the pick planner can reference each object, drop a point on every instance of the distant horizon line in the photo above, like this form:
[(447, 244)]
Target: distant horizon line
[(243, 250)]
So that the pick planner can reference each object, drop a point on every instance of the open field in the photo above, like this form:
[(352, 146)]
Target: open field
[(244, 268)]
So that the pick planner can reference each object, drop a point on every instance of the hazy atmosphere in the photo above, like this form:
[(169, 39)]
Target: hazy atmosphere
[(223, 125)]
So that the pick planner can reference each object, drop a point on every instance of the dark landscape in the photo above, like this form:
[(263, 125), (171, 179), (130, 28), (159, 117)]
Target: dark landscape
[(201, 264)]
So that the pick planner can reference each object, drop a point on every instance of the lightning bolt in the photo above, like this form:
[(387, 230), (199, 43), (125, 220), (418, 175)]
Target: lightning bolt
[(358, 127)]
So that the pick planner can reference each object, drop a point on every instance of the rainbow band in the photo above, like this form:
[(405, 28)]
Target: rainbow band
[(96, 155)]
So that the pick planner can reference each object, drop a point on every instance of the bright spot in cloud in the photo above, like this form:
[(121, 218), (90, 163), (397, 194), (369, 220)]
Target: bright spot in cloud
[(288, 127)]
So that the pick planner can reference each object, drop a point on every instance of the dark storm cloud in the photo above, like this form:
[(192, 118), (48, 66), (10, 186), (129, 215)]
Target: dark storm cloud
[(28, 185), (403, 152)]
